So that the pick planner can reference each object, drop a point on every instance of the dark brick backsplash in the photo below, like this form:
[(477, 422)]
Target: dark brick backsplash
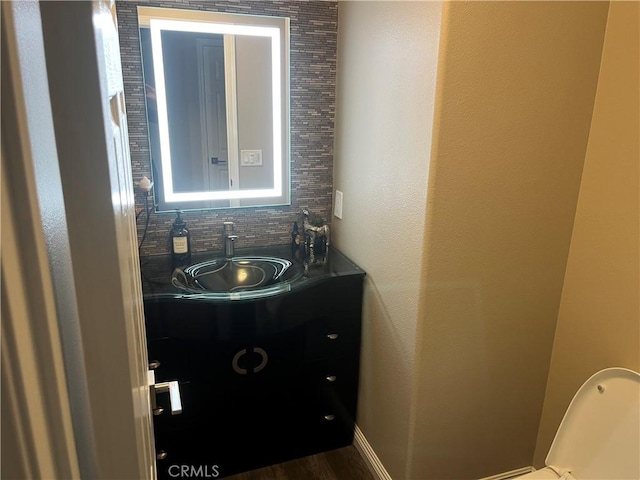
[(312, 91)]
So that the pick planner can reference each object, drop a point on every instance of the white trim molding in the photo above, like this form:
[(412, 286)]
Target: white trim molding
[(380, 473), (510, 474), (369, 456)]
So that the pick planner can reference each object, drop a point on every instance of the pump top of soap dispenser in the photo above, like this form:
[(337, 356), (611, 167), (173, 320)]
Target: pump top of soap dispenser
[(179, 222)]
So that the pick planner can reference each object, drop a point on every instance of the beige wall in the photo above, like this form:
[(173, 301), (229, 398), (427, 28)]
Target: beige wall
[(516, 86), (387, 55), (599, 319)]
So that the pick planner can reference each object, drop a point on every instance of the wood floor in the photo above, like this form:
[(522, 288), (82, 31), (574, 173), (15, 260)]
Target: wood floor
[(341, 464)]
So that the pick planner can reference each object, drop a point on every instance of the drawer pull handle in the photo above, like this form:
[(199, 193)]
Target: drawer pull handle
[(161, 455), (331, 378), (158, 411), (329, 418), (153, 364), (332, 336)]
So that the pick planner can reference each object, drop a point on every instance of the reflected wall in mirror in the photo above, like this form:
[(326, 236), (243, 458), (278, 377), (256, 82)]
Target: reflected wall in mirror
[(217, 97)]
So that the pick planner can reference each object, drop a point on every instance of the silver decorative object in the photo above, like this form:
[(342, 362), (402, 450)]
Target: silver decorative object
[(316, 238)]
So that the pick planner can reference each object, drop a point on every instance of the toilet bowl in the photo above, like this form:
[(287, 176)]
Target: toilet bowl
[(599, 437)]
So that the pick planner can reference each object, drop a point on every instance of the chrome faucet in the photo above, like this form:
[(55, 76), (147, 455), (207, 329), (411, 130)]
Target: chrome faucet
[(228, 237)]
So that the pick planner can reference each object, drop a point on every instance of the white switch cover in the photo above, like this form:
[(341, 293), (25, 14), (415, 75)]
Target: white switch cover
[(250, 158), (337, 207)]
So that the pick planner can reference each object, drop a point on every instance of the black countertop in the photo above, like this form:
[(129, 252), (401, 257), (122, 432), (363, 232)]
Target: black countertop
[(157, 272)]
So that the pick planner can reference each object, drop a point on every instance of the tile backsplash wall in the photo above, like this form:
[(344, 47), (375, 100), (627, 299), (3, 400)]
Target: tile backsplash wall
[(312, 89)]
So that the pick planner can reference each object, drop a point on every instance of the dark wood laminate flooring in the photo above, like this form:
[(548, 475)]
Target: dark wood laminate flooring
[(341, 464)]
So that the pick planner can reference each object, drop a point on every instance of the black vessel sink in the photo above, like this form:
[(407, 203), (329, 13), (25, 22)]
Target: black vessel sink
[(237, 274)]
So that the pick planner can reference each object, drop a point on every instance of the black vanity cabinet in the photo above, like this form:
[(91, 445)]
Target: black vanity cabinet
[(261, 381)]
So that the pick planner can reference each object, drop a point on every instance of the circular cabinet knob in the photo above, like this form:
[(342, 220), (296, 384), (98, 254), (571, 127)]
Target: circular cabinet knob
[(153, 364), (158, 411), (161, 455), (329, 418), (331, 378), (332, 336)]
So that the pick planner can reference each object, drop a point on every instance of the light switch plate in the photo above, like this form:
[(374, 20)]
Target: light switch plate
[(337, 206), (250, 158)]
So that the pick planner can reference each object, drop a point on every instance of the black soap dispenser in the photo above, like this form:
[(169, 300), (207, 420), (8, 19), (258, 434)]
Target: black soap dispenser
[(180, 243)]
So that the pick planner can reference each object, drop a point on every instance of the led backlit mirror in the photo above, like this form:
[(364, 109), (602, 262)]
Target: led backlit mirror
[(217, 91)]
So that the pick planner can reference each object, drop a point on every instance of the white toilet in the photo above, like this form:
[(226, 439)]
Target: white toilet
[(599, 437)]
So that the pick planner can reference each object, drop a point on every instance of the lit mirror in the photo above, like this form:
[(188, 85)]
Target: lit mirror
[(217, 97)]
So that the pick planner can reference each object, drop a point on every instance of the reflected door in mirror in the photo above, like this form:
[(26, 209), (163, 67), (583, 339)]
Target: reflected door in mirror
[(214, 121), (196, 112)]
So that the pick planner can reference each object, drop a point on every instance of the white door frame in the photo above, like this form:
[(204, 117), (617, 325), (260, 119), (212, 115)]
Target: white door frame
[(102, 408)]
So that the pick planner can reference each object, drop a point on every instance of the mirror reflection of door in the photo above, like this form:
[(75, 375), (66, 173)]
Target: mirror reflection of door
[(213, 115), (213, 111), (196, 112), (196, 109)]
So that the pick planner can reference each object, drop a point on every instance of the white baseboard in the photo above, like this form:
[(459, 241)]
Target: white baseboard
[(510, 474), (380, 473), (369, 456)]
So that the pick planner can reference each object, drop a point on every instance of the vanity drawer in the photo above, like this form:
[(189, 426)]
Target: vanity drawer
[(295, 424), (325, 422), (333, 388), (330, 336)]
